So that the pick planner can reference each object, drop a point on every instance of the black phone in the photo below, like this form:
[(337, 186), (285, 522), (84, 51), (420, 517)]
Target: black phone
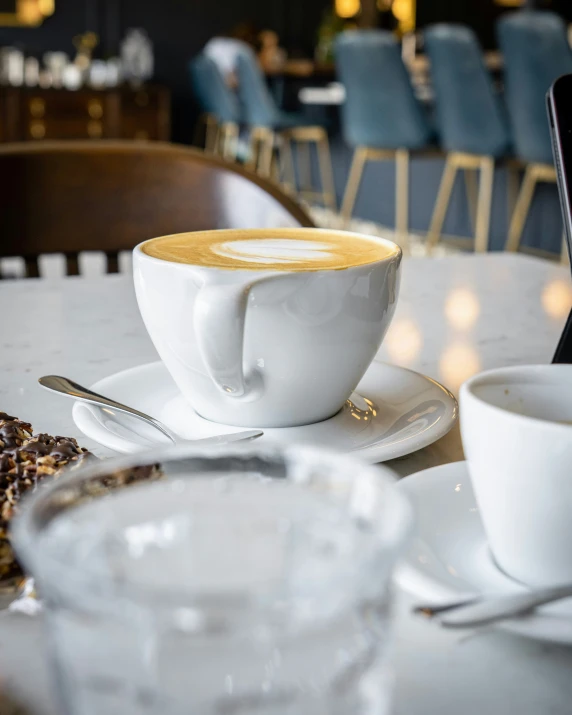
[(559, 104)]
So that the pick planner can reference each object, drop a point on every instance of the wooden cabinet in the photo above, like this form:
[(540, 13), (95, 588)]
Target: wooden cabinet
[(34, 114)]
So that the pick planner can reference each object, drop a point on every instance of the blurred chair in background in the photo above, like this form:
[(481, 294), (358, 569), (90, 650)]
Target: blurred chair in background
[(471, 124), (271, 128), (536, 52), (67, 197), (221, 110), (381, 118)]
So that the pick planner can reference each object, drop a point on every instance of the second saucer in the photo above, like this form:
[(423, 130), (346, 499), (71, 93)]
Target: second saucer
[(449, 558)]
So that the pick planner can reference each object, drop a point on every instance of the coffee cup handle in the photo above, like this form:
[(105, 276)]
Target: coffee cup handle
[(219, 317)]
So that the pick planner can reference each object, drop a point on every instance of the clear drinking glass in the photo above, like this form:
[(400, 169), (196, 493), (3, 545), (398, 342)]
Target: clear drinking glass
[(242, 580)]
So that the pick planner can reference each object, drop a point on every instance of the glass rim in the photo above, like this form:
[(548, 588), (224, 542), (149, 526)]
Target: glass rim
[(27, 526)]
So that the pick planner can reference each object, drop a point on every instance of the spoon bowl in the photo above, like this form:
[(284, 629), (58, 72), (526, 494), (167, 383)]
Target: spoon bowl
[(69, 388)]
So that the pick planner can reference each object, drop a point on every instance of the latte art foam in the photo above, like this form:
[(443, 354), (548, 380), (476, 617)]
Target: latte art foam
[(281, 249), (276, 250)]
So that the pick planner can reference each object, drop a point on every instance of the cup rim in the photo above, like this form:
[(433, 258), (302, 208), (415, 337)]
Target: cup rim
[(396, 250), (487, 377)]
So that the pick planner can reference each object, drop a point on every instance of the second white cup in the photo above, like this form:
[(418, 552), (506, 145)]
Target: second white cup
[(516, 426)]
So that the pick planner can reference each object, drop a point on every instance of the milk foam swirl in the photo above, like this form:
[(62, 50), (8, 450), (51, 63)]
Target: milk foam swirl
[(275, 250)]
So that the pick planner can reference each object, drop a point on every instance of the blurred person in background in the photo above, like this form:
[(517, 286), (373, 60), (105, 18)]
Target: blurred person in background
[(225, 49)]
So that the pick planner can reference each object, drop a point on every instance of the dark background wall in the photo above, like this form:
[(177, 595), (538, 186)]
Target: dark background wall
[(480, 14), (179, 29)]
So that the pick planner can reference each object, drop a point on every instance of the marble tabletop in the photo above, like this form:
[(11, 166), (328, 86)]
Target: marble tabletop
[(456, 316)]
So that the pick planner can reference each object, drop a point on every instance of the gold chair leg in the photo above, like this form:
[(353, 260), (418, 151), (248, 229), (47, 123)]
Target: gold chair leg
[(354, 179), (264, 166), (211, 135), (287, 165), (261, 150), (484, 204), (512, 189), (402, 196), (326, 172), (442, 203), (472, 191), (229, 141), (521, 210), (221, 140), (304, 165), (253, 149)]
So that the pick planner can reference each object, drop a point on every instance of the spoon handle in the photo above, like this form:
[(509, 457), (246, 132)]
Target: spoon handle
[(491, 609), (69, 388)]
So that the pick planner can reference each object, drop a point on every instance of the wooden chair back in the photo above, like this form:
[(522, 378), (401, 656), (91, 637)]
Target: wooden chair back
[(67, 197)]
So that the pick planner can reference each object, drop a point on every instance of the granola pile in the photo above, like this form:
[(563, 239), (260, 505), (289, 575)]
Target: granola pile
[(25, 460)]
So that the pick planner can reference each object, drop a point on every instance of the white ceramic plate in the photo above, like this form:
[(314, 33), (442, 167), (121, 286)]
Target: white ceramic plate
[(393, 412), (449, 557)]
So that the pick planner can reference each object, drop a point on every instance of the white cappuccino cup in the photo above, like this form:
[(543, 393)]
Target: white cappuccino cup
[(267, 327)]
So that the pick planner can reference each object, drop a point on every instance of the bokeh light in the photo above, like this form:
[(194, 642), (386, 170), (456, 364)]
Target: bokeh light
[(458, 363), (403, 341), (462, 308), (557, 298), (347, 8)]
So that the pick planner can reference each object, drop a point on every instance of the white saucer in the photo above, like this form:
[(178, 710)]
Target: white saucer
[(449, 556), (393, 412)]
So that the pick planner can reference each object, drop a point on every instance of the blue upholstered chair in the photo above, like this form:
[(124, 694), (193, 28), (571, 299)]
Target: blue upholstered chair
[(272, 129), (381, 117), (471, 123), (536, 52), (221, 110)]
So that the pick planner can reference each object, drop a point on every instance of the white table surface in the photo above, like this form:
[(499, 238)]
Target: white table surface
[(456, 316)]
